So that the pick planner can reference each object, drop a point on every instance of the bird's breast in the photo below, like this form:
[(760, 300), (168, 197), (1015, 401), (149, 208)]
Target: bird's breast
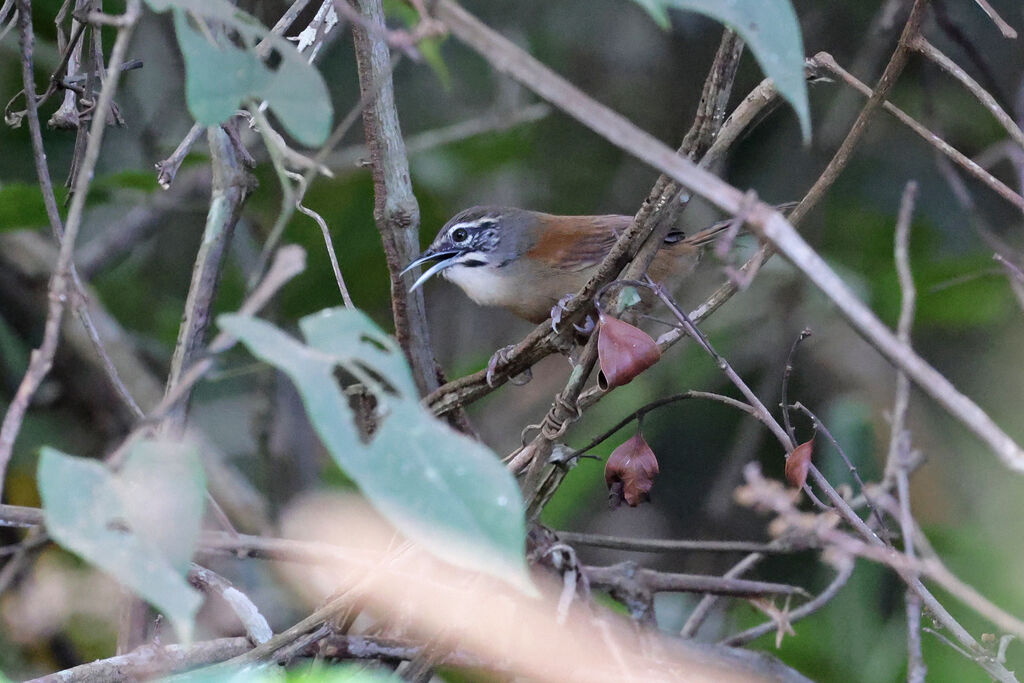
[(486, 285), (515, 287)]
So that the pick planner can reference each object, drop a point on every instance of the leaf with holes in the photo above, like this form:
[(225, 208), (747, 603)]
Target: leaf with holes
[(438, 487), (770, 28), (140, 525), (223, 72)]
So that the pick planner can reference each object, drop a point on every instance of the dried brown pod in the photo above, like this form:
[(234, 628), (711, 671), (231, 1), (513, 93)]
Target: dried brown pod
[(623, 351), (798, 463), (630, 471)]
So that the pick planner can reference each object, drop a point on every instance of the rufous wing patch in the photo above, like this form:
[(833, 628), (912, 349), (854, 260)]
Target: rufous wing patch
[(576, 242)]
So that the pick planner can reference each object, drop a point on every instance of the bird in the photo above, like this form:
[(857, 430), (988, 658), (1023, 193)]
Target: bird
[(527, 261)]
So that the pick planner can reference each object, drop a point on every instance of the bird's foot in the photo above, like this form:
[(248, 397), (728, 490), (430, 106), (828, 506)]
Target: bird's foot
[(557, 310), (502, 356), (556, 317), (587, 327)]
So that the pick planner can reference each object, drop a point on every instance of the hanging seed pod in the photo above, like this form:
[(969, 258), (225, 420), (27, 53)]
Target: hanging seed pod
[(798, 463), (630, 471), (623, 351)]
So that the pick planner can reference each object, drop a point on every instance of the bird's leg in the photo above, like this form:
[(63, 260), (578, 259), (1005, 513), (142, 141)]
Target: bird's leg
[(501, 356)]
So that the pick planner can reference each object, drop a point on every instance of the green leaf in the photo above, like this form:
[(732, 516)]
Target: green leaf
[(221, 77), (628, 297), (438, 487), (139, 525), (770, 28)]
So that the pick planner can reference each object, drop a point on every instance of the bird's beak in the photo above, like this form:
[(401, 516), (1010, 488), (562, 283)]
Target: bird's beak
[(444, 260)]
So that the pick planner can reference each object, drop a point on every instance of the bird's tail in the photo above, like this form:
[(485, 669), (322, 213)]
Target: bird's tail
[(713, 232)]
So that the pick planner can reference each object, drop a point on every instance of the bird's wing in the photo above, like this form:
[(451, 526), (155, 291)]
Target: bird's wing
[(576, 242)]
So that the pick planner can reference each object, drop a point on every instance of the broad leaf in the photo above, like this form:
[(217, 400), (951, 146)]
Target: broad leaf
[(221, 76), (139, 525), (770, 28), (438, 487)]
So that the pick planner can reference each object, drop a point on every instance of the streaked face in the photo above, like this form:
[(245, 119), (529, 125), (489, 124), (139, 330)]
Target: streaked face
[(467, 241)]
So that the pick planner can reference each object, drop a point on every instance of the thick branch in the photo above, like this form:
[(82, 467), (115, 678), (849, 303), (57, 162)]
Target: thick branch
[(231, 187), (395, 208)]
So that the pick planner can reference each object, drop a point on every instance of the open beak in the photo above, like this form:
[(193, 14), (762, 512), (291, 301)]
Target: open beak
[(444, 260)]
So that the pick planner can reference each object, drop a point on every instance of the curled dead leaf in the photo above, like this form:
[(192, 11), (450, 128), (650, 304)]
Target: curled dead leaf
[(630, 471), (798, 463), (623, 351)]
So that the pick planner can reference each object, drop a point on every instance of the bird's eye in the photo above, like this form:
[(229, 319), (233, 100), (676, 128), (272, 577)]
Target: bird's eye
[(460, 235)]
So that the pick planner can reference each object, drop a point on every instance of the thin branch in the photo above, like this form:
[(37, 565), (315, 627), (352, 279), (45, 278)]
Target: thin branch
[(843, 573), (761, 411), (654, 405), (829, 62), (292, 197), (78, 295), (41, 359), (396, 210), (325, 232), (1004, 28), (167, 169), (651, 224), (283, 23), (148, 661), (763, 492), (255, 624), (540, 342), (873, 49), (876, 97), (231, 187), (763, 219), (989, 101), (289, 262), (659, 545), (898, 457), (851, 468), (628, 577), (787, 371), (1014, 276), (703, 609), (20, 516)]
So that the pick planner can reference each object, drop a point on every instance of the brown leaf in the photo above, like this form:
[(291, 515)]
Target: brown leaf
[(624, 351), (630, 471), (798, 462)]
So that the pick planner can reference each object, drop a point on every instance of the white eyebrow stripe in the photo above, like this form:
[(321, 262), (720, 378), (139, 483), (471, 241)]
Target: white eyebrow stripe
[(472, 224)]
